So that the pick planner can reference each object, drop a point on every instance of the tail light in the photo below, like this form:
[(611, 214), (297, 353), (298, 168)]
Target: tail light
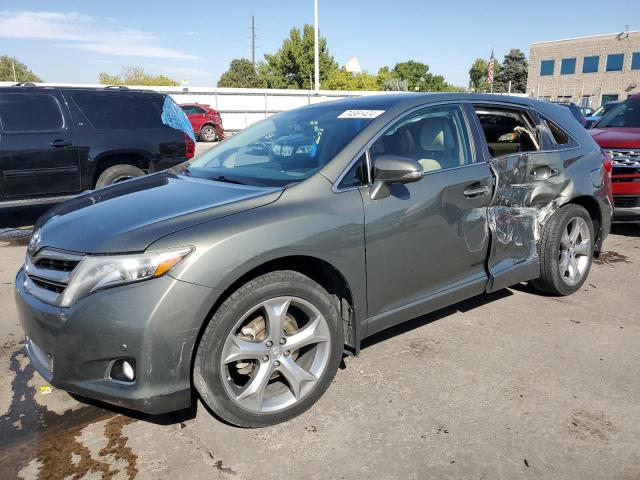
[(189, 146)]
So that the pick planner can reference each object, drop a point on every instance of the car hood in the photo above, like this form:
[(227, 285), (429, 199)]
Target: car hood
[(616, 137), (129, 216)]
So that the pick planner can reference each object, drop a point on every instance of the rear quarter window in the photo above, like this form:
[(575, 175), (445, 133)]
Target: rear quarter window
[(121, 110), (30, 112), (555, 137)]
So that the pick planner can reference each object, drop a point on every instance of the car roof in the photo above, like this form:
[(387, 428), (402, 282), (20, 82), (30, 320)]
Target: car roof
[(26, 87), (393, 100)]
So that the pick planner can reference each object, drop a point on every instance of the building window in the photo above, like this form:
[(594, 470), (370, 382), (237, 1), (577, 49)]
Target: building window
[(568, 66), (546, 67), (615, 61), (590, 64), (635, 61), (609, 98)]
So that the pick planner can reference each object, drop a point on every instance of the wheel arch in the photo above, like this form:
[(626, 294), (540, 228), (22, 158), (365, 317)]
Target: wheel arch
[(109, 159), (320, 271)]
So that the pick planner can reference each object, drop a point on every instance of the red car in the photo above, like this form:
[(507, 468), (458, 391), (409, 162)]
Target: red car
[(618, 133), (206, 122)]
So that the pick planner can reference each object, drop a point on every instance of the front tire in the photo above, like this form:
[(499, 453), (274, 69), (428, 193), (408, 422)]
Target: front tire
[(270, 351), (565, 251)]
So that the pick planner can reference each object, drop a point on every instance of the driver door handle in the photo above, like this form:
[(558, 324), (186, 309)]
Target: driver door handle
[(476, 192), (60, 143)]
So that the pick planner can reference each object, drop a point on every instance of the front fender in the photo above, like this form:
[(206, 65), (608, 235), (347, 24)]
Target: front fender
[(307, 220)]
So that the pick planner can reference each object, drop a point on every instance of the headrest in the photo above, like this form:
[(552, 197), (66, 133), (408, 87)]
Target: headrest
[(436, 135)]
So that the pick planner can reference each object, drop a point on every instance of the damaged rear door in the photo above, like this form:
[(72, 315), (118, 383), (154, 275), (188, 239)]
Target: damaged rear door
[(528, 185)]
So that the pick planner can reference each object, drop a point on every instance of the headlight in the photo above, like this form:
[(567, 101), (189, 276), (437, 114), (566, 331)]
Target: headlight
[(100, 271)]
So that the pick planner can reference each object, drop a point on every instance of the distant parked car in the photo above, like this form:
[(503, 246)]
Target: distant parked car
[(576, 112), (206, 122), (599, 113), (618, 133), (57, 142)]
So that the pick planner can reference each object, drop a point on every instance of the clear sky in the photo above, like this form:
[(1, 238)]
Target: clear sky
[(74, 40)]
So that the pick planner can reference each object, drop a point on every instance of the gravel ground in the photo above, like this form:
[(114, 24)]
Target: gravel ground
[(510, 385)]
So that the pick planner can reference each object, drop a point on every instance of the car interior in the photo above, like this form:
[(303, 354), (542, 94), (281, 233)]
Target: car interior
[(433, 139), (507, 131)]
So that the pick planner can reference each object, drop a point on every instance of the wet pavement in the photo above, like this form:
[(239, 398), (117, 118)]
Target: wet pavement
[(510, 385)]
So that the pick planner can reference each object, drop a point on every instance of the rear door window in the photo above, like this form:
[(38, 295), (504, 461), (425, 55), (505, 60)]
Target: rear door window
[(121, 110), (507, 131), (30, 112)]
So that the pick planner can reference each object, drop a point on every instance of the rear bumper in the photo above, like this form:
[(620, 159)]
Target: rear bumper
[(156, 323)]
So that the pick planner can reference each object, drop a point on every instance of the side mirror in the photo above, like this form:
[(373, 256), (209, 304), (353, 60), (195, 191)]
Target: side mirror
[(389, 169)]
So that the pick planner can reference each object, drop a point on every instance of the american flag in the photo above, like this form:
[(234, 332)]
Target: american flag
[(490, 68)]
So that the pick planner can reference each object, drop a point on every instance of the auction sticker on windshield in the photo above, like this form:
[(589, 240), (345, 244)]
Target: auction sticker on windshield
[(361, 113)]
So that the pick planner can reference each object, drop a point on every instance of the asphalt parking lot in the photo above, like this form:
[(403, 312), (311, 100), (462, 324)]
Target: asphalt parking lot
[(511, 385)]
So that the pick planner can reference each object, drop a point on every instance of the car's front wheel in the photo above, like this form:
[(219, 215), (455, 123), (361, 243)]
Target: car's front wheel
[(270, 350), (565, 251)]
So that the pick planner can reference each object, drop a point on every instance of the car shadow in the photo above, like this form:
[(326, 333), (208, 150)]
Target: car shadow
[(464, 306), (626, 229)]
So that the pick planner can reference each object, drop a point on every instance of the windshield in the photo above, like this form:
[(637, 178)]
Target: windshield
[(285, 148), (626, 114)]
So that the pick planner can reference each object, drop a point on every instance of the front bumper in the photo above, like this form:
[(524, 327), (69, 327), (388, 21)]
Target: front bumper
[(155, 322)]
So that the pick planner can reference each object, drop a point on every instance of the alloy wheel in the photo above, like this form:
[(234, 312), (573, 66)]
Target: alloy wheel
[(575, 251), (208, 134), (275, 354)]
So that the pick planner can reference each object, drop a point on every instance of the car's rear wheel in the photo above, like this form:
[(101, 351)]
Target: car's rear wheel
[(565, 250), (208, 133), (118, 173), (270, 350)]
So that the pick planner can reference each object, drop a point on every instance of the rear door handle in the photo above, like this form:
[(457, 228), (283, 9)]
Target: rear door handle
[(60, 143), (476, 192)]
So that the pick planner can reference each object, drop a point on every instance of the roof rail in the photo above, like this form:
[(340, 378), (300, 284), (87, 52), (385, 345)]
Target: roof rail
[(25, 84), (116, 87)]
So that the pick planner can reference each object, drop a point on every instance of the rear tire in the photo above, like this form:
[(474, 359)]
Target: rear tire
[(118, 173), (565, 251), (208, 133), (270, 351)]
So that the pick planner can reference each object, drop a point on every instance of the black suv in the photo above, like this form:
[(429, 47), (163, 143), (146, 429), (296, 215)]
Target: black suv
[(56, 142)]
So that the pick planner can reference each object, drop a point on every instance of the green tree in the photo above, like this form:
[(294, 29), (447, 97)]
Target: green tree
[(478, 75), (340, 79), (132, 75), (514, 69), (23, 74), (418, 78), (292, 65), (241, 74)]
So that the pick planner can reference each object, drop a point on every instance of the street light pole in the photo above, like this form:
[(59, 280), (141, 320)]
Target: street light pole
[(316, 46)]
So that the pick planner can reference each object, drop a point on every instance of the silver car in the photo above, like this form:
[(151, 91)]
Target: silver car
[(246, 275)]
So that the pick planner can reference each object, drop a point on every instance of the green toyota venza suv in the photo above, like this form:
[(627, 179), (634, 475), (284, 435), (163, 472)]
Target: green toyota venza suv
[(246, 274)]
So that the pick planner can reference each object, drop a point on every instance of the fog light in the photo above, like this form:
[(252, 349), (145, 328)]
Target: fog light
[(123, 370)]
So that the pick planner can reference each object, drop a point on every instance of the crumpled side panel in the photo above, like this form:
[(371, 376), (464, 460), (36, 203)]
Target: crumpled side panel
[(529, 189)]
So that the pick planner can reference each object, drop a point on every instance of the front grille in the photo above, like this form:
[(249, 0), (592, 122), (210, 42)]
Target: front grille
[(48, 273), (625, 157), (52, 287), (626, 202), (56, 264)]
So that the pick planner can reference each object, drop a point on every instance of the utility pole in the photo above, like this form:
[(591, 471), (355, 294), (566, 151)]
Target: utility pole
[(253, 41), (316, 47), (13, 63)]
